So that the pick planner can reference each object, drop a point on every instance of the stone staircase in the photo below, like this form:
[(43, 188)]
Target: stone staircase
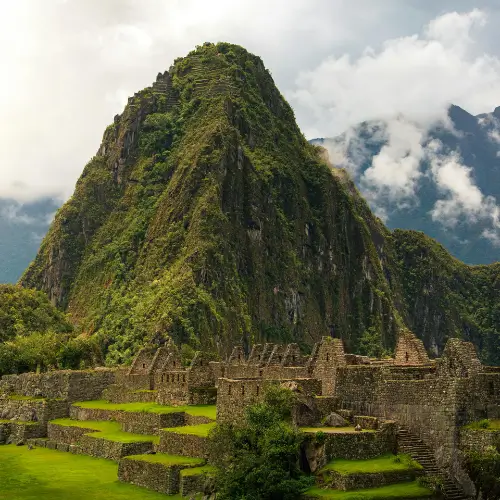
[(419, 451)]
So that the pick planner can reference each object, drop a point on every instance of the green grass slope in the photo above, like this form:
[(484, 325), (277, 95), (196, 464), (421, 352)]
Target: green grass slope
[(53, 475)]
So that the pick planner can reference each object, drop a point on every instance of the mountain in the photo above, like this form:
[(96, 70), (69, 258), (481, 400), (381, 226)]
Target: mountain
[(22, 227), (457, 190), (207, 216)]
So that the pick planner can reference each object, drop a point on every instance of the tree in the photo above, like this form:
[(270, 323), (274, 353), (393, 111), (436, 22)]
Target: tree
[(259, 460)]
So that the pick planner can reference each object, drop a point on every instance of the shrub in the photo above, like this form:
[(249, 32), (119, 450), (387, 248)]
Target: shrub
[(260, 459)]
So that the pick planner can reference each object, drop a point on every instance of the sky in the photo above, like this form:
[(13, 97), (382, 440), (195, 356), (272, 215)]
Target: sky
[(68, 66)]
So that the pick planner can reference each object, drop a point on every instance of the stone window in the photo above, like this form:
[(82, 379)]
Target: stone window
[(491, 389), (178, 377), (328, 356), (174, 364), (293, 358), (184, 378), (201, 362), (229, 390), (257, 390), (239, 357), (407, 357), (144, 365), (162, 378), (261, 372), (223, 371), (258, 357), (242, 390)]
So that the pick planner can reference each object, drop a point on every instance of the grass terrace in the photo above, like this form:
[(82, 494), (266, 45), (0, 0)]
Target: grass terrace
[(18, 397), (107, 429), (164, 459), (485, 425), (201, 430), (334, 430), (384, 463), (390, 492), (195, 471), (44, 474), (208, 411)]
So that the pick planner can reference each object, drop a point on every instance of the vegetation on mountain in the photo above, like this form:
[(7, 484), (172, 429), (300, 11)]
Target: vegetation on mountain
[(260, 458), (34, 335), (207, 216), (484, 470)]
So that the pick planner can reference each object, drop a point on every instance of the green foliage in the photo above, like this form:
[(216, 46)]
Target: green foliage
[(23, 312), (433, 483), (187, 354), (484, 470), (259, 460)]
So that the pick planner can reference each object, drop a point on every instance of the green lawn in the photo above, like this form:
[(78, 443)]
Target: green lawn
[(384, 463), (208, 411), (334, 430), (163, 458), (107, 429), (196, 430), (43, 474), (390, 492)]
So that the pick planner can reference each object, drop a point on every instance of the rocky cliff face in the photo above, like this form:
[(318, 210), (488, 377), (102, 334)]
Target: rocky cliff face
[(206, 215)]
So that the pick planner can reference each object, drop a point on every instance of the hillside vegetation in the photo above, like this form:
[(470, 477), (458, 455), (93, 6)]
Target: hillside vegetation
[(207, 216)]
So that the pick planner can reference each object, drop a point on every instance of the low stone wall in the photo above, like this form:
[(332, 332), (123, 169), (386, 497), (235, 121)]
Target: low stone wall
[(193, 420), (112, 450), (202, 396), (153, 476), (15, 432), (149, 423), (479, 439), (321, 448), (65, 384), (78, 413), (325, 405), (366, 422), (122, 394), (66, 434), (32, 410), (345, 482), (186, 445), (191, 484)]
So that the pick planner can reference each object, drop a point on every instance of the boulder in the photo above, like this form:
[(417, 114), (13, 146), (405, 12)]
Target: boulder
[(335, 420)]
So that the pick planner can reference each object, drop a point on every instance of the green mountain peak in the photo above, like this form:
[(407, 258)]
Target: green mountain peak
[(206, 216)]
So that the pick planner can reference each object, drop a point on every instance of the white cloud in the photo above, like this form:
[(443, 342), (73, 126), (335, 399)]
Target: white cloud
[(395, 171), (418, 76), (464, 200)]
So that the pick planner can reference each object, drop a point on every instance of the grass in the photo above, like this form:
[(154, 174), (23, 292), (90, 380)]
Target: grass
[(18, 397), (162, 458), (195, 430), (43, 474), (195, 471), (107, 429), (390, 492), (484, 425), (384, 463), (18, 422), (334, 430), (208, 411)]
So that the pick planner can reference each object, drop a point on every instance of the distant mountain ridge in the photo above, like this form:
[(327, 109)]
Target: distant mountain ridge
[(22, 228), (470, 228)]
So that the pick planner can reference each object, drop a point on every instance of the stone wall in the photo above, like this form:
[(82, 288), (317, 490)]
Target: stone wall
[(187, 445), (479, 439), (345, 482), (323, 447), (410, 350), (153, 476), (111, 450), (328, 356), (68, 385)]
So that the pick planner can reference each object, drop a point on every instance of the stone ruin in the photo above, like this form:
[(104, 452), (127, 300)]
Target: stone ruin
[(430, 399)]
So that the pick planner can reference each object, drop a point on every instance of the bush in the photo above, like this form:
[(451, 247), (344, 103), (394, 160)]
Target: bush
[(484, 470), (260, 459), (433, 483)]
